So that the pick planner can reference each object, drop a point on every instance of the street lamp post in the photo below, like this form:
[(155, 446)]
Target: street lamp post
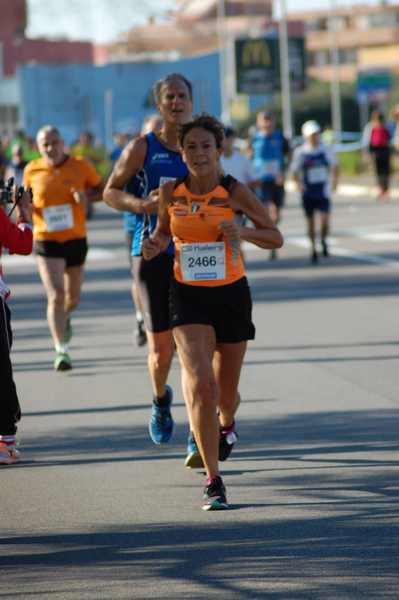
[(285, 71), (224, 99), (335, 83)]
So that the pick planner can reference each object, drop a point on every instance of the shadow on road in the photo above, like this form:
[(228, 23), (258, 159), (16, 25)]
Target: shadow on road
[(327, 461)]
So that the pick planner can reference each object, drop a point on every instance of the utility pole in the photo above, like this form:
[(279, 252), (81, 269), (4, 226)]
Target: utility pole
[(108, 117), (285, 71), (335, 77), (222, 35)]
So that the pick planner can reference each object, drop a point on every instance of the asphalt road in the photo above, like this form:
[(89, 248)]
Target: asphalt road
[(96, 511)]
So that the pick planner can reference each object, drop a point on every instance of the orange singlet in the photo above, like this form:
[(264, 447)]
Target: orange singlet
[(203, 257), (56, 215)]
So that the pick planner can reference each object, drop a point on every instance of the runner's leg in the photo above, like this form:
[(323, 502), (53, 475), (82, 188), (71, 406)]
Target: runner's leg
[(73, 279), (160, 355), (196, 345), (51, 271), (227, 363)]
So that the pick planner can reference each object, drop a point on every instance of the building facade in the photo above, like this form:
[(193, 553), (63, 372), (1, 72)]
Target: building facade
[(366, 37), (17, 50)]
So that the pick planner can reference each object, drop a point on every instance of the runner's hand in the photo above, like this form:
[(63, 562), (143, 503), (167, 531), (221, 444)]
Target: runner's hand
[(230, 230), (24, 208), (79, 196), (150, 248), (150, 204)]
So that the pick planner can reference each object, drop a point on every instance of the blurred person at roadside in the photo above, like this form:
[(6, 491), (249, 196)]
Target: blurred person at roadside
[(315, 171), (152, 123), (62, 186), (236, 163), (16, 165), (376, 140), (17, 238), (3, 159), (86, 148), (120, 141), (271, 153)]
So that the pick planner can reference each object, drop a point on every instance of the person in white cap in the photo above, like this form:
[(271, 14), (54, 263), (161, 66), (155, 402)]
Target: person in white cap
[(315, 171)]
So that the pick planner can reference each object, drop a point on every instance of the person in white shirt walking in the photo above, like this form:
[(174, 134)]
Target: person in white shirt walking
[(235, 163), (315, 172)]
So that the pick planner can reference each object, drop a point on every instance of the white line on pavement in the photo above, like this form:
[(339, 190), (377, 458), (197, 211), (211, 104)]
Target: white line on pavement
[(94, 255), (303, 242)]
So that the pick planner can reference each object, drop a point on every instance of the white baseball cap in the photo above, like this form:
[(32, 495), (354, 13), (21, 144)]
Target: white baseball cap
[(309, 128)]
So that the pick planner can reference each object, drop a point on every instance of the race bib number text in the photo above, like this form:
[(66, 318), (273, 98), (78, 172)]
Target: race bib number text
[(58, 218), (203, 261), (317, 175), (271, 168)]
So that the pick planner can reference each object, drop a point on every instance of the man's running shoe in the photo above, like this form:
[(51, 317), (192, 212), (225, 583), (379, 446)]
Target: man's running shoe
[(193, 458), (140, 335), (8, 453), (227, 439), (62, 362), (325, 249), (68, 331), (161, 422), (214, 497)]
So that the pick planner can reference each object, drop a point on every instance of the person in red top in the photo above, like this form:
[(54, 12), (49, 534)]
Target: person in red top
[(18, 239), (378, 139)]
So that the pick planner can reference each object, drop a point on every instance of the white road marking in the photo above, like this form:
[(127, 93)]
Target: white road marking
[(381, 236), (94, 255), (335, 250)]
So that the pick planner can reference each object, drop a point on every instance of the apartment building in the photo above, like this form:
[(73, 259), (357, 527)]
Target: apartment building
[(190, 30), (366, 37)]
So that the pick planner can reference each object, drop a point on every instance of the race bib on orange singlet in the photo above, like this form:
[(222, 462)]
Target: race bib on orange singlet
[(203, 261), (58, 218)]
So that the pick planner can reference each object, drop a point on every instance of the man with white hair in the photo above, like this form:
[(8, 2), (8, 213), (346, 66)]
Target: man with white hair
[(62, 185), (315, 171)]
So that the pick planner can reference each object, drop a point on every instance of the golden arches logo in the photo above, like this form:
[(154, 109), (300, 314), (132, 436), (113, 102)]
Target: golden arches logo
[(256, 52)]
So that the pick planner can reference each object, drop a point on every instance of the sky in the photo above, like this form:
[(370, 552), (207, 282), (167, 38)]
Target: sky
[(102, 21)]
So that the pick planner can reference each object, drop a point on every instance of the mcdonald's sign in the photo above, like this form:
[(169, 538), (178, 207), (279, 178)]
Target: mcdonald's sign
[(256, 53), (257, 64)]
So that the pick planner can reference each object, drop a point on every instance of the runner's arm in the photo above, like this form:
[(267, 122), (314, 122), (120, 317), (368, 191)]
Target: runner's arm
[(128, 165), (296, 168), (334, 168), (265, 234), (159, 240)]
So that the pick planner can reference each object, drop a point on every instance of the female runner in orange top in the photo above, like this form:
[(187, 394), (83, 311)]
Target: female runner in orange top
[(210, 302)]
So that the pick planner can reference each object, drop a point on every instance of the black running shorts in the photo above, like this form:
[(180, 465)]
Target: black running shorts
[(74, 252), (271, 192), (153, 279), (310, 205), (226, 308)]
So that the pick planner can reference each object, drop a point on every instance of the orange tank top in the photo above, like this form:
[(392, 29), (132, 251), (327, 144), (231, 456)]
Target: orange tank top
[(202, 255)]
